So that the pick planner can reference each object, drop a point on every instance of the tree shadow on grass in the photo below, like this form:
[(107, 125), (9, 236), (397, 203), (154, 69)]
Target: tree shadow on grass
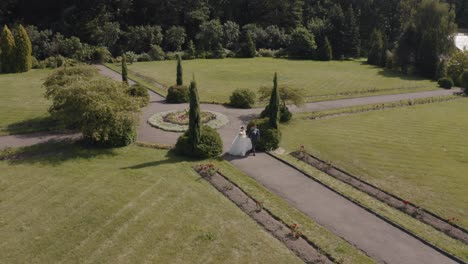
[(171, 158), (53, 153), (37, 124)]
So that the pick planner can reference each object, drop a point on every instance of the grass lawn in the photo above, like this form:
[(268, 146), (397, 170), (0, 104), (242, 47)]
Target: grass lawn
[(62, 203), (23, 107), (418, 153), (321, 80)]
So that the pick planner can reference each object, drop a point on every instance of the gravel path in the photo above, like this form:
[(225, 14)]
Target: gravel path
[(374, 236)]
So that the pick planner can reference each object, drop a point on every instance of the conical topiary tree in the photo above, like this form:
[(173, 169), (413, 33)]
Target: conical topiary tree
[(194, 130), (23, 51), (124, 69), (180, 80), (7, 46), (274, 104)]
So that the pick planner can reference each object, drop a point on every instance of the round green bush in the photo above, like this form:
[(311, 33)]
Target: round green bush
[(210, 145), (177, 95), (157, 53), (140, 92), (269, 137), (445, 83), (285, 114), (242, 98), (144, 57)]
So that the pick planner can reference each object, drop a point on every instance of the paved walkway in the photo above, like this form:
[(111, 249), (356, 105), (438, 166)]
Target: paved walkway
[(374, 236)]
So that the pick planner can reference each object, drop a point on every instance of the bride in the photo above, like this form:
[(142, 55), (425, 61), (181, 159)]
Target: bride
[(241, 144)]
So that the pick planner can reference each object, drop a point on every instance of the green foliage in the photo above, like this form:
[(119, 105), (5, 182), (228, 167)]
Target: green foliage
[(427, 37), (325, 51), (269, 137), (7, 47), (302, 44), (130, 57), (376, 48), (248, 49), (144, 57), (287, 94), (100, 108), (219, 52), (156, 53), (274, 105), (190, 52), (464, 80), (175, 38), (180, 78), (441, 69), (23, 51), (285, 114), (209, 146), (231, 34), (445, 82), (194, 117), (352, 38), (140, 93), (456, 64), (139, 39), (124, 69), (100, 55), (337, 36), (242, 98), (210, 34), (177, 94)]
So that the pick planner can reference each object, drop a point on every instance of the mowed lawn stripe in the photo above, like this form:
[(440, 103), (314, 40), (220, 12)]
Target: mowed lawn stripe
[(417, 153)]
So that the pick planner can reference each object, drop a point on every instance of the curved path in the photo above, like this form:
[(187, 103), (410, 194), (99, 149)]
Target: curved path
[(382, 241)]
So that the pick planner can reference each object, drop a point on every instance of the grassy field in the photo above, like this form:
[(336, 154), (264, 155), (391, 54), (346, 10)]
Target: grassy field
[(321, 80), (22, 103), (418, 153), (63, 203)]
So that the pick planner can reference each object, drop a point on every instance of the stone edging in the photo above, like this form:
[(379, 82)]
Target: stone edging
[(394, 201), (157, 121), (301, 246), (403, 229)]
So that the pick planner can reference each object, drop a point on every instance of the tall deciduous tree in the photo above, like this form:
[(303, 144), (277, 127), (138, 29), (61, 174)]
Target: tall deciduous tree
[(7, 46), (194, 130), (124, 69), (23, 50), (180, 79), (274, 104)]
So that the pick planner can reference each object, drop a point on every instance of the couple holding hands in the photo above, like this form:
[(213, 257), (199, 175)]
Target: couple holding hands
[(243, 143)]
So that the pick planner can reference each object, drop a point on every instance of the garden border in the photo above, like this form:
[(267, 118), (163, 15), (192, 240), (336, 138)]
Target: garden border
[(156, 121), (302, 247), (403, 229), (392, 200)]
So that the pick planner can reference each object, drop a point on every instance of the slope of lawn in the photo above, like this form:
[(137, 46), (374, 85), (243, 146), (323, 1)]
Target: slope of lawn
[(63, 203), (418, 153), (22, 103), (321, 80)]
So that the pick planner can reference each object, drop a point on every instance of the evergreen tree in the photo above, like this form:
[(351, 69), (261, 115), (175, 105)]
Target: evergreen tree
[(124, 69), (23, 51), (248, 48), (325, 51), (441, 70), (274, 105), (352, 39), (376, 48), (194, 130), (337, 35), (191, 53), (7, 46), (180, 80)]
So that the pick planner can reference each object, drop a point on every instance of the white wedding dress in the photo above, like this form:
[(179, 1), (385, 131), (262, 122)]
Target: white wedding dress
[(241, 145)]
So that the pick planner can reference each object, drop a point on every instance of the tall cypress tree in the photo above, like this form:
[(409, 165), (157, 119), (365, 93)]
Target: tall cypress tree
[(124, 69), (7, 46), (274, 104), (180, 80), (194, 130), (23, 50)]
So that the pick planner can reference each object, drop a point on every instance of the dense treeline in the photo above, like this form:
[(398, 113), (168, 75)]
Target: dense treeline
[(311, 29)]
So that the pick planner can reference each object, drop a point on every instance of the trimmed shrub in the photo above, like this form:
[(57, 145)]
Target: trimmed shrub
[(446, 83), (35, 63), (268, 53), (285, 114), (23, 50), (269, 137), (242, 98), (144, 57), (140, 93), (210, 144), (177, 94), (157, 53)]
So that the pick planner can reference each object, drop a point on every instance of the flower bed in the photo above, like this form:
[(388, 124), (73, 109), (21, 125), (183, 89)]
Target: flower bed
[(177, 121)]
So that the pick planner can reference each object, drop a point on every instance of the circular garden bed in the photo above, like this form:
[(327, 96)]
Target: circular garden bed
[(177, 121)]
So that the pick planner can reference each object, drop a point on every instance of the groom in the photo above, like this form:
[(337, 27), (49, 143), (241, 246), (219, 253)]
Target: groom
[(254, 136)]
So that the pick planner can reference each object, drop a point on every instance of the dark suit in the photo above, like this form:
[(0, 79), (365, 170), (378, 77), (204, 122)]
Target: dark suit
[(254, 137)]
